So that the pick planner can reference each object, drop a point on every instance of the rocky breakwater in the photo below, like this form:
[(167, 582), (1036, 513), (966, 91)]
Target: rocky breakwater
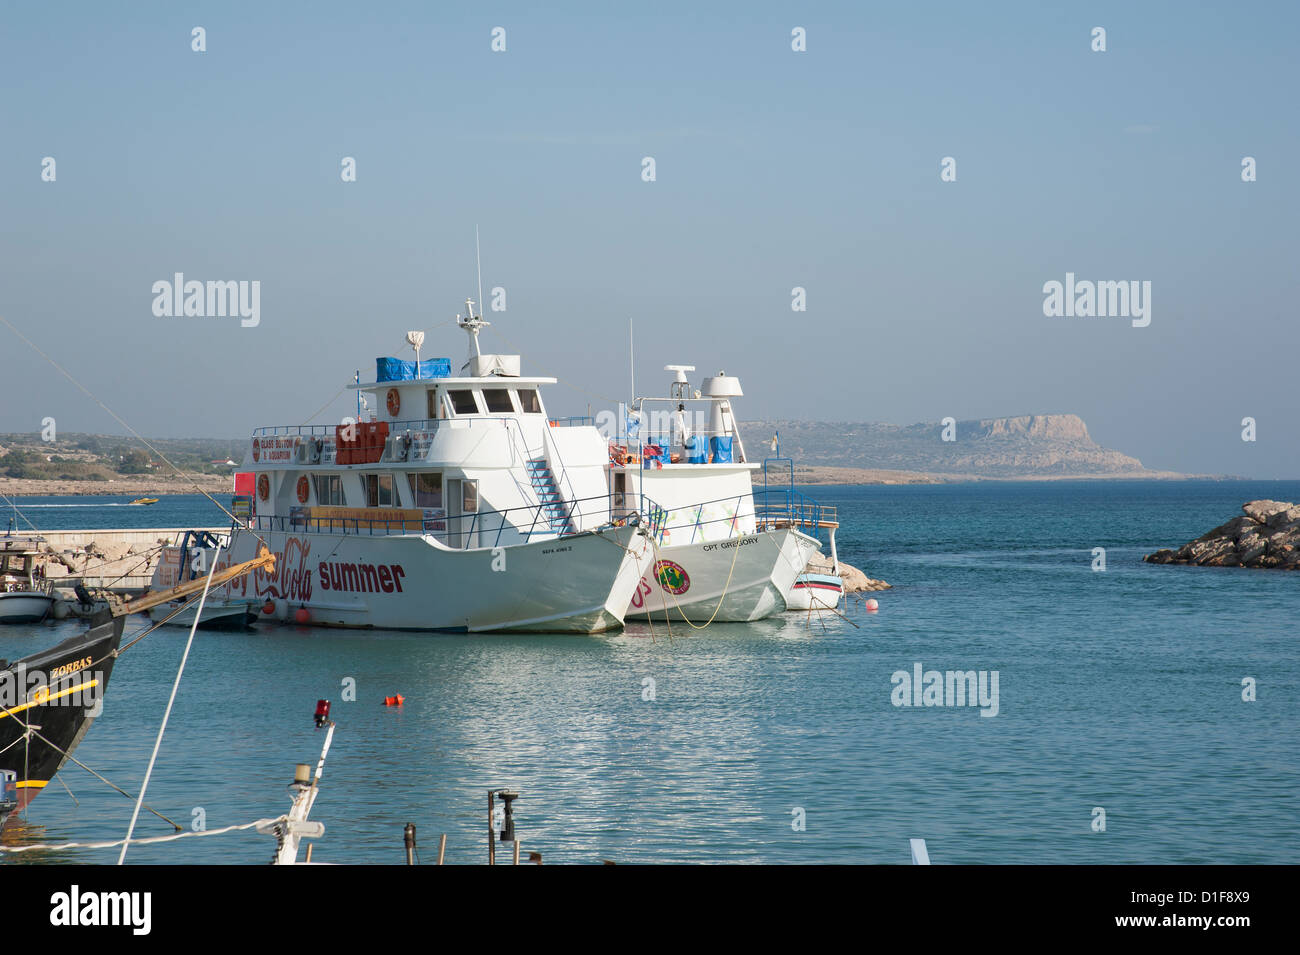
[(854, 579), (1267, 535), (100, 563)]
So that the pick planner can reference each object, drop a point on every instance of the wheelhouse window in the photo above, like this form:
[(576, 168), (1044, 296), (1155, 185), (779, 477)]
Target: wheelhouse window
[(462, 401), (426, 489), (329, 489), (380, 490), (529, 403), (498, 400)]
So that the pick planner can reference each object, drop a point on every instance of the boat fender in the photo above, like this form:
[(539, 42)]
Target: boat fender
[(302, 615), (268, 608)]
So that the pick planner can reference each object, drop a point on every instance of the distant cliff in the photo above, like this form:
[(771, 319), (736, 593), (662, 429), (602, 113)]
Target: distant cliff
[(1054, 445)]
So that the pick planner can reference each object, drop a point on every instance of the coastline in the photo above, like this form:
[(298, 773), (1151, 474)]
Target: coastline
[(143, 485), (825, 474)]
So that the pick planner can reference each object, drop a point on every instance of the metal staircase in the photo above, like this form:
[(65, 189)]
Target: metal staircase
[(554, 510)]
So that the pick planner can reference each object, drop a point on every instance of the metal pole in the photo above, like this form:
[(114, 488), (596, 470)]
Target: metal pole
[(409, 838)]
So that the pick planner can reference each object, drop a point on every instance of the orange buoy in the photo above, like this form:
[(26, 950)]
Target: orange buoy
[(268, 608), (397, 700), (302, 615)]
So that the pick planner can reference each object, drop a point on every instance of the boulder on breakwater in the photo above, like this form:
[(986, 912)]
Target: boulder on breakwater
[(854, 579), (1267, 535)]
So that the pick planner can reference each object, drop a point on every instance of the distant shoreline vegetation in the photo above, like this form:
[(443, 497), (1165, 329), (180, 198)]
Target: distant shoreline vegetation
[(104, 458)]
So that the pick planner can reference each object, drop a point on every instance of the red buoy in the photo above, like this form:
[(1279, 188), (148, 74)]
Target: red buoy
[(871, 605), (302, 615), (268, 608)]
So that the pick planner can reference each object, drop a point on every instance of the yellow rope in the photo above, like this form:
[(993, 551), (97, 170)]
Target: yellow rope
[(677, 603)]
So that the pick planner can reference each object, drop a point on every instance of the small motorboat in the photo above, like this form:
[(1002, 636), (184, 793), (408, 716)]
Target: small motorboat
[(25, 595), (189, 561), (145, 500)]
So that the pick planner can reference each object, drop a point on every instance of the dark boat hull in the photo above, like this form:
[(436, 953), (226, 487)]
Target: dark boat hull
[(48, 701)]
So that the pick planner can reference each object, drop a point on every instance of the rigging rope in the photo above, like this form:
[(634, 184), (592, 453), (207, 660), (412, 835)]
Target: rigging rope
[(123, 423), (168, 712), (259, 824)]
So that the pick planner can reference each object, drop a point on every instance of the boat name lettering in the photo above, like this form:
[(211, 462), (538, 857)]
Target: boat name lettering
[(557, 550), (69, 668), (734, 542), (361, 578)]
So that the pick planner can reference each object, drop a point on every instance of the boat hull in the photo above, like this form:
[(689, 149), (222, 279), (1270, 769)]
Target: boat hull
[(220, 615), (24, 607), (57, 693), (580, 583), (739, 579), (815, 592)]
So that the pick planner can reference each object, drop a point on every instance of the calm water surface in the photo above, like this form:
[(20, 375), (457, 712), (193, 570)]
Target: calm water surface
[(1119, 690)]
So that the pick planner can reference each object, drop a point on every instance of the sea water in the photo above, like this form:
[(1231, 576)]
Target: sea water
[(1119, 690)]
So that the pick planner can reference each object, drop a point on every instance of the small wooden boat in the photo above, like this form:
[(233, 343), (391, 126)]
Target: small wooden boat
[(815, 592), (145, 500)]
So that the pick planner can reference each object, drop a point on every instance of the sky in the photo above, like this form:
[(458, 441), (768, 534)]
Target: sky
[(774, 169)]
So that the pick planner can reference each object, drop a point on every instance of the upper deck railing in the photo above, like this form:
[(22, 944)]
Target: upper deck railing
[(419, 424), (473, 530)]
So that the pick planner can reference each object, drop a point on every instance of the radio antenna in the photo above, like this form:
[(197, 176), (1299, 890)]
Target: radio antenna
[(479, 260)]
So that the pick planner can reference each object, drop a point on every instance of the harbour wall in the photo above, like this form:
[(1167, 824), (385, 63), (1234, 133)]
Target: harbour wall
[(118, 559)]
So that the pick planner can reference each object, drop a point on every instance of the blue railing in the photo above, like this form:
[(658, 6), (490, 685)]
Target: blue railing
[(785, 505)]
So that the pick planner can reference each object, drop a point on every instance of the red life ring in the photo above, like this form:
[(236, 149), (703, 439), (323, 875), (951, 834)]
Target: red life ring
[(303, 489), (257, 451), (263, 486), (394, 398)]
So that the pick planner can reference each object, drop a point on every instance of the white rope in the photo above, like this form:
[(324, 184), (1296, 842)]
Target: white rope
[(259, 824), (198, 613)]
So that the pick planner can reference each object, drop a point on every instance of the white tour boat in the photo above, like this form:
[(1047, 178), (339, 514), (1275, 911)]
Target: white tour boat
[(718, 556), (26, 596), (458, 506)]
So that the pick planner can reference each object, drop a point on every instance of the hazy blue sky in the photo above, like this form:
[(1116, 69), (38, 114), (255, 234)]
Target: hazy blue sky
[(774, 168)]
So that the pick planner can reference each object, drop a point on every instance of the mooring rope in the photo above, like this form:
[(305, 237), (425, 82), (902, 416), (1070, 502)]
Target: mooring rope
[(259, 824)]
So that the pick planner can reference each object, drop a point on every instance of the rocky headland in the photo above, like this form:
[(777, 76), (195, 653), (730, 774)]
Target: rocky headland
[(1266, 535), (1027, 447), (855, 580)]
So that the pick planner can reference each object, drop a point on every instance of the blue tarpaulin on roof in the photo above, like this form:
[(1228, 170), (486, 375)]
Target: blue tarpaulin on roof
[(395, 369)]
